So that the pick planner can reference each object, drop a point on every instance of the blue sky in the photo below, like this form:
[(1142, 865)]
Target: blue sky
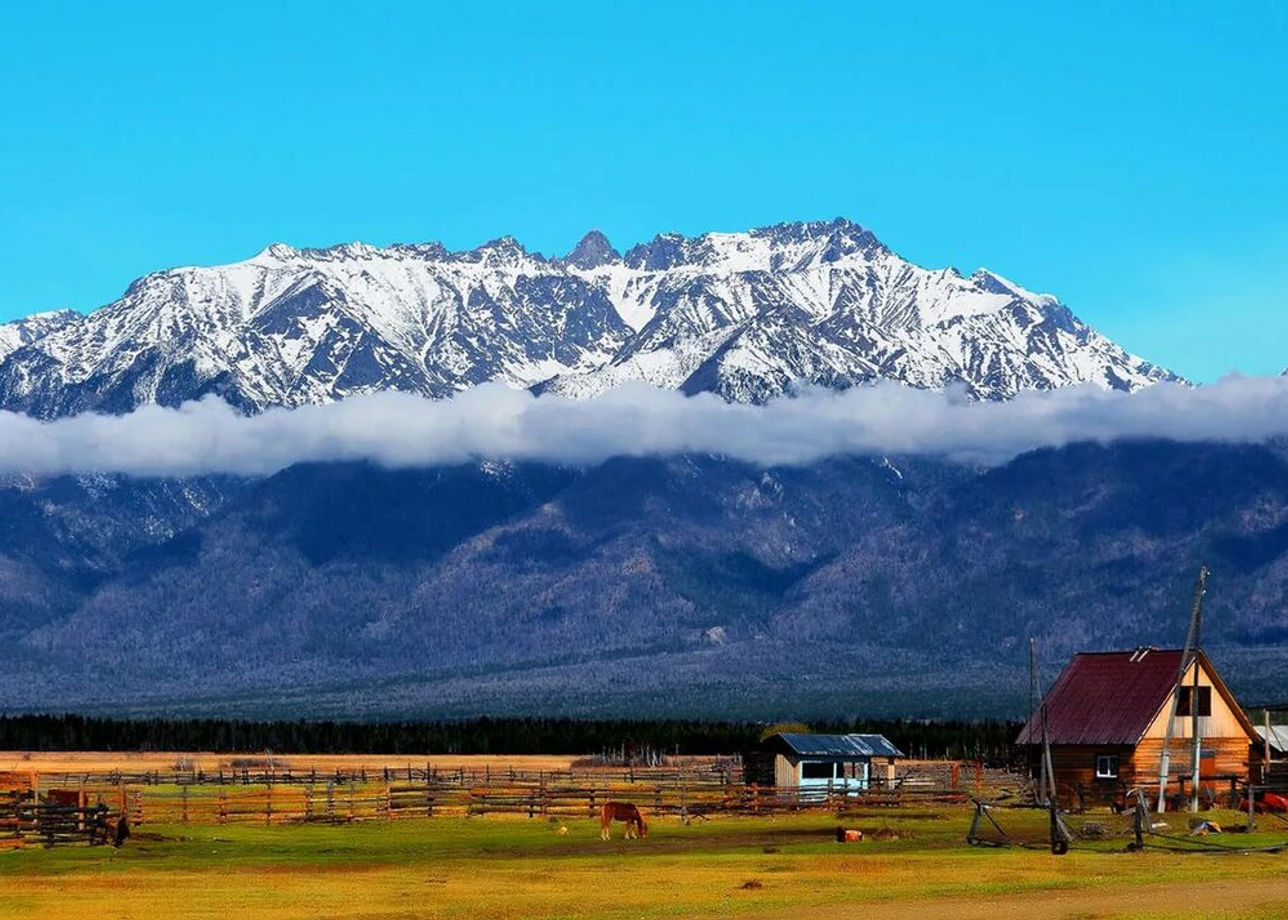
[(1133, 161)]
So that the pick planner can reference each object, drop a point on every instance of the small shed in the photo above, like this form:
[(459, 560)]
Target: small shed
[(841, 762)]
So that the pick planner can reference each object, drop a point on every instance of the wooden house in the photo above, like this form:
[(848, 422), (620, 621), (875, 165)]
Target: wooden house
[(819, 762), (1106, 722)]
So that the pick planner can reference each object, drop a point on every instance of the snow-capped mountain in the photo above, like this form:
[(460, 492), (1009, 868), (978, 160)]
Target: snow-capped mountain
[(745, 315)]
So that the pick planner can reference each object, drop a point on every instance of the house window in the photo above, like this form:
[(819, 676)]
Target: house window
[(813, 769), (1106, 766), (1184, 704)]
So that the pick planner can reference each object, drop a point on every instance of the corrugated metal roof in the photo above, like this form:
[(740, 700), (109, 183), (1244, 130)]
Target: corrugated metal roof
[(1106, 697), (840, 745), (1278, 736)]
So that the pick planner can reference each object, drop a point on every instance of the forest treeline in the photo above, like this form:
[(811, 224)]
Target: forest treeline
[(989, 740)]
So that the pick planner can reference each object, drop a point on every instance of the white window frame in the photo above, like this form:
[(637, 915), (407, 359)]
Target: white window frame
[(1111, 768)]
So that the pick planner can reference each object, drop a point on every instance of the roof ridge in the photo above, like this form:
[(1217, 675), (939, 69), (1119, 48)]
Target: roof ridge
[(1133, 651)]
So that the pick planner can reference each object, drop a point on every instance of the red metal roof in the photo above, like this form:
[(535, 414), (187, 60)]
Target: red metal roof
[(1106, 697)]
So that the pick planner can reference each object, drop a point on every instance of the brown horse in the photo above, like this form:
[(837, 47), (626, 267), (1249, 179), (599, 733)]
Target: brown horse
[(622, 811)]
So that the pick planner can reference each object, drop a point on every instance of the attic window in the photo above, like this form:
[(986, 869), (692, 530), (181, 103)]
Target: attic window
[(1106, 766), (1184, 708)]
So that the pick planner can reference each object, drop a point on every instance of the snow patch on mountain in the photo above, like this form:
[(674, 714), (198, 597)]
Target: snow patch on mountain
[(20, 332)]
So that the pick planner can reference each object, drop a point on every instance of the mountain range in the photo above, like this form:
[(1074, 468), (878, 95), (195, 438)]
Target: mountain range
[(683, 585), (667, 586), (746, 315)]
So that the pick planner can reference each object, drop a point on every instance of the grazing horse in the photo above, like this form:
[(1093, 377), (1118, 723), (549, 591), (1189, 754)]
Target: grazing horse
[(622, 811)]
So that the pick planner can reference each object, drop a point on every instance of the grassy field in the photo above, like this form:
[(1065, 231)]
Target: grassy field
[(911, 864), (163, 761)]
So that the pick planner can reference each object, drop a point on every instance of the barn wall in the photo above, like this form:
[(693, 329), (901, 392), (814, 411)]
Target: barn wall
[(1075, 765), (1230, 757), (785, 772)]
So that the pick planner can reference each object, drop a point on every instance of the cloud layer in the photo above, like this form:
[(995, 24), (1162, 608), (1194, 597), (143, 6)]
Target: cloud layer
[(493, 421)]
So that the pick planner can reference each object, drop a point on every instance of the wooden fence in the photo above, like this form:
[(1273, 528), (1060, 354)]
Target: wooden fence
[(353, 802), (58, 817), (275, 797)]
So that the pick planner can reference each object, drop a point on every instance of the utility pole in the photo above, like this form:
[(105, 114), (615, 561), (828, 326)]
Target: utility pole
[(1189, 654), (1265, 764), (1046, 778), (1035, 698), (1195, 735)]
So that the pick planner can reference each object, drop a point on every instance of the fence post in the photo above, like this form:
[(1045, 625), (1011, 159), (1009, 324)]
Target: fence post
[(268, 805), (1252, 795), (183, 804)]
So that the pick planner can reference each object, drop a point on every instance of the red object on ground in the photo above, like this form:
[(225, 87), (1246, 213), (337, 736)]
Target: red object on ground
[(1267, 801)]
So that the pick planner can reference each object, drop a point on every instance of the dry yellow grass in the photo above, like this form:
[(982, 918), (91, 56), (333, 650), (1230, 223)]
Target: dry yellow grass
[(162, 761), (517, 868)]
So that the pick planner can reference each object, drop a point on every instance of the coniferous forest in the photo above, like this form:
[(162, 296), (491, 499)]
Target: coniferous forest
[(989, 740)]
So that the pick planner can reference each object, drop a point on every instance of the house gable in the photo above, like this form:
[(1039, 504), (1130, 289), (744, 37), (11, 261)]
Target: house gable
[(1227, 719)]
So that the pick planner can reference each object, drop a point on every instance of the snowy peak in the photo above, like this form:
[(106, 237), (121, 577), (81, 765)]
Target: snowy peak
[(502, 252), (593, 251), (745, 315), (781, 247), (277, 252)]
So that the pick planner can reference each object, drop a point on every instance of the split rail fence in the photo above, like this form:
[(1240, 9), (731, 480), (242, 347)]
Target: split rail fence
[(274, 797)]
